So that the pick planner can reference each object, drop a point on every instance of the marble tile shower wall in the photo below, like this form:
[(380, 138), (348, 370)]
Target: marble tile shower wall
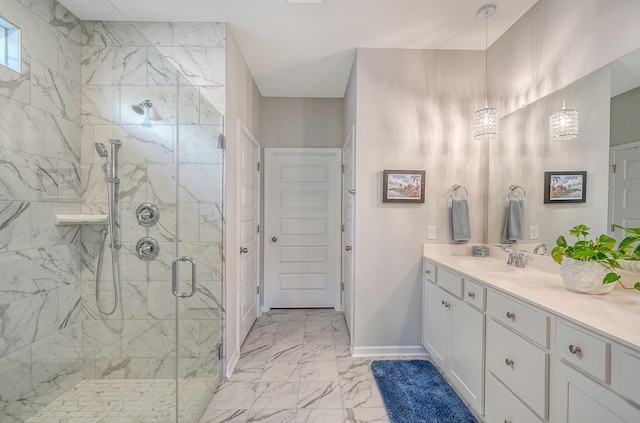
[(120, 67), (40, 325)]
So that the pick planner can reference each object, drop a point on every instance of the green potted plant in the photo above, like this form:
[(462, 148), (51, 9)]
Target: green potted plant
[(629, 250), (589, 265)]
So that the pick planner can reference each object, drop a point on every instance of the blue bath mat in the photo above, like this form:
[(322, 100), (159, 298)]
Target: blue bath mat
[(413, 391)]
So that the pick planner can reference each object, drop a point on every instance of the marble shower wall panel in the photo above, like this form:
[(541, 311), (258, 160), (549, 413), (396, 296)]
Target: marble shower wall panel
[(120, 68), (112, 65), (40, 113), (163, 111), (14, 216), (14, 85), (54, 93), (198, 51), (30, 272), (30, 130)]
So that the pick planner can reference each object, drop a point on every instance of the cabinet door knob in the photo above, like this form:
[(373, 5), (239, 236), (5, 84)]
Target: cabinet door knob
[(347, 248), (244, 250), (507, 421), (574, 350), (428, 272), (509, 362), (511, 315), (274, 239), (471, 294), (446, 304)]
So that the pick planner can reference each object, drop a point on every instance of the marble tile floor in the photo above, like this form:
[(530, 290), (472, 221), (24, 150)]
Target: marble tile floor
[(125, 401), (295, 367)]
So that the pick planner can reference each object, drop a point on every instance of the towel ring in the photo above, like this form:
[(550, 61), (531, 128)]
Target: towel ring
[(455, 189), (511, 195)]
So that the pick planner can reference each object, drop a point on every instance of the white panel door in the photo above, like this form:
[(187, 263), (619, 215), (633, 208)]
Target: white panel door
[(248, 209), (302, 227), (348, 230), (626, 193)]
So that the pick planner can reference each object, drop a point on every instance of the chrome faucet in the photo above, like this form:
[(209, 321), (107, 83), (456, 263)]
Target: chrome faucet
[(544, 249), (516, 258), (509, 249)]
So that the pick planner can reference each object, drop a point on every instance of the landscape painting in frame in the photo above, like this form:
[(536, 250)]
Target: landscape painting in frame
[(403, 186), (565, 187)]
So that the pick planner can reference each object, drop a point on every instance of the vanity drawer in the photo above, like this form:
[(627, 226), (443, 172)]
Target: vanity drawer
[(502, 406), (429, 271), (588, 353), (523, 319), (450, 282), (474, 294), (626, 383), (519, 365)]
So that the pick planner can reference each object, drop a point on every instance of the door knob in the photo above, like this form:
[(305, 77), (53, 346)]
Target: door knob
[(274, 239), (243, 250), (348, 248)]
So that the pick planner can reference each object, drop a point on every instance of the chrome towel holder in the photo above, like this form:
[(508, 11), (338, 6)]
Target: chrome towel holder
[(454, 191), (512, 194)]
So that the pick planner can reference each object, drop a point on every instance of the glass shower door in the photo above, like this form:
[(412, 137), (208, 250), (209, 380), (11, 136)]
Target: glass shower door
[(197, 267)]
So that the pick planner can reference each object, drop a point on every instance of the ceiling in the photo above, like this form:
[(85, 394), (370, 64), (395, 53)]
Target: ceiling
[(307, 49)]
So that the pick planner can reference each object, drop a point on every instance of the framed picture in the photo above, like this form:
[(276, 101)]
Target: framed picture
[(403, 186), (565, 187)]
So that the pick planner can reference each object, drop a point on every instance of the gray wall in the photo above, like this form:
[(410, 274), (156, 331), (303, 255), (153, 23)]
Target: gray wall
[(625, 125), (302, 122), (414, 111), (556, 43), (523, 152)]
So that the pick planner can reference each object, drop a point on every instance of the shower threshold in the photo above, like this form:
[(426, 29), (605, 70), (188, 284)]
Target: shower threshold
[(127, 401)]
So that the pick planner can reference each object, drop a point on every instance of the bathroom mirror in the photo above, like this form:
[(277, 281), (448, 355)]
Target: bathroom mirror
[(608, 101)]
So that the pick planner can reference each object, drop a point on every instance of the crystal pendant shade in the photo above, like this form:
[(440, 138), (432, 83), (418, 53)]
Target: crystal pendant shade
[(563, 125), (485, 124)]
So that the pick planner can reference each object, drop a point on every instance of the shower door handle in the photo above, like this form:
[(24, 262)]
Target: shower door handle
[(174, 279)]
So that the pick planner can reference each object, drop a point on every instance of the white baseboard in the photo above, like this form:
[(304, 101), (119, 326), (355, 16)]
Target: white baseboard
[(398, 351), (232, 362)]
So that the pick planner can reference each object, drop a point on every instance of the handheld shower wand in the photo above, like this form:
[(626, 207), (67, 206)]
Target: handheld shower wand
[(102, 150), (113, 183)]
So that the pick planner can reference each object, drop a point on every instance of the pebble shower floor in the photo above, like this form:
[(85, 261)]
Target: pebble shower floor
[(123, 401)]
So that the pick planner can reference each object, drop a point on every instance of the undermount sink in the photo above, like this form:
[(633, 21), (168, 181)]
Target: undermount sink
[(487, 266)]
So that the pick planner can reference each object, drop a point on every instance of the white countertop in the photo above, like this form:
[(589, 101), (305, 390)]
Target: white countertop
[(614, 315)]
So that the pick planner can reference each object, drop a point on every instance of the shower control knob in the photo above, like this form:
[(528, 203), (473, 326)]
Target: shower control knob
[(147, 248), (147, 214)]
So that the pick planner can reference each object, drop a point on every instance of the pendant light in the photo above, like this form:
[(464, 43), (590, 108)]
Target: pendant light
[(485, 121), (564, 124)]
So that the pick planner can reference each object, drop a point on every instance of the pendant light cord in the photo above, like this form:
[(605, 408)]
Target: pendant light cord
[(486, 61)]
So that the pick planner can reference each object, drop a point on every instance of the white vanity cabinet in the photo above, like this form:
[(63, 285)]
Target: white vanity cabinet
[(520, 348), (517, 357), (453, 331), (590, 386)]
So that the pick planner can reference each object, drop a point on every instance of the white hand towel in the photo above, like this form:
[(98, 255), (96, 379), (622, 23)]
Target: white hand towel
[(460, 220)]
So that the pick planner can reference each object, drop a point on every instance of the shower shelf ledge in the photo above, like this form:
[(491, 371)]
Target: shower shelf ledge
[(81, 219)]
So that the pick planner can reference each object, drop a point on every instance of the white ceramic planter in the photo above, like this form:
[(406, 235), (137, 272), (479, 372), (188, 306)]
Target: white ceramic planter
[(630, 265), (584, 276)]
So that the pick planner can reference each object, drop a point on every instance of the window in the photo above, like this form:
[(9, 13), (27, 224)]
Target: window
[(9, 45)]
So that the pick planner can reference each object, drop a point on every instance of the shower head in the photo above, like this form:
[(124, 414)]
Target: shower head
[(140, 108), (102, 150)]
